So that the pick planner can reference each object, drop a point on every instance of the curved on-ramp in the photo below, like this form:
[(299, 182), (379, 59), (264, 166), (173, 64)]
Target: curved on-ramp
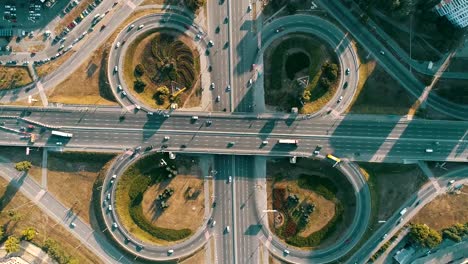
[(126, 240)]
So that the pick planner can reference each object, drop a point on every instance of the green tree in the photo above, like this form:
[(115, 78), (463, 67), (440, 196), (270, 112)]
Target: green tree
[(325, 83), (23, 165), (161, 94), (28, 233), (12, 244), (139, 86), (425, 236), (306, 96), (139, 70), (194, 5), (330, 70)]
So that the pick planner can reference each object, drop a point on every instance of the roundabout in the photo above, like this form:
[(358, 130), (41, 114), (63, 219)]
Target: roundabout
[(124, 238)]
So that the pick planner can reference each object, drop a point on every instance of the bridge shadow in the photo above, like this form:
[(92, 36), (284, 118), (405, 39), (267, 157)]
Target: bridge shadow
[(11, 189)]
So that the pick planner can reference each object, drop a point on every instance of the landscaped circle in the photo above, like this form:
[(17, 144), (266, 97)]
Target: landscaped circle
[(313, 202), (160, 202), (163, 67), (300, 71)]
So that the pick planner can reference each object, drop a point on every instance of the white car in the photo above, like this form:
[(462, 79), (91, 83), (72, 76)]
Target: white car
[(119, 87), (213, 224), (138, 107), (212, 86), (117, 45), (382, 52), (59, 143), (141, 26), (347, 71), (218, 98), (109, 207), (166, 137), (210, 43), (170, 252), (230, 179), (250, 82), (228, 88), (131, 26), (340, 99), (227, 229), (116, 69), (124, 93), (114, 225)]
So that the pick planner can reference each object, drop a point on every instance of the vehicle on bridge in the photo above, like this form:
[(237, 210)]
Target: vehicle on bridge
[(32, 139), (335, 159), (61, 134), (288, 141)]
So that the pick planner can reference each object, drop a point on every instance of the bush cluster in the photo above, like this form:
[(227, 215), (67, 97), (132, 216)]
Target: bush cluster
[(57, 253), (23, 165), (456, 232), (320, 185), (425, 236), (136, 212)]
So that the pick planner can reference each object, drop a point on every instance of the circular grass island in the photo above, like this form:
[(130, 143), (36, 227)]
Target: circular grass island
[(161, 204), (162, 67), (314, 202), (300, 71)]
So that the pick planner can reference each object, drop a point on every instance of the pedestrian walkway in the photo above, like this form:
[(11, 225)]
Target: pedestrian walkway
[(44, 169)]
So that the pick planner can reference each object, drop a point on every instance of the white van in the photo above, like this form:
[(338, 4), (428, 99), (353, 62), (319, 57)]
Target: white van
[(429, 150)]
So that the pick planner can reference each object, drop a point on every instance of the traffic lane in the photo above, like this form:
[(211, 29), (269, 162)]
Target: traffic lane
[(223, 166), (186, 141), (436, 129)]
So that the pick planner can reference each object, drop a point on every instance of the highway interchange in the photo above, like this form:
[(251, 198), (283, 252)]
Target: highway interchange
[(239, 44)]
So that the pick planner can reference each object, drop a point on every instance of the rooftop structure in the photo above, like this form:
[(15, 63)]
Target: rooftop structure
[(456, 11)]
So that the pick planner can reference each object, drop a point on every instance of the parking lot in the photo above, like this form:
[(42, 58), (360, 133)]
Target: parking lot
[(29, 15)]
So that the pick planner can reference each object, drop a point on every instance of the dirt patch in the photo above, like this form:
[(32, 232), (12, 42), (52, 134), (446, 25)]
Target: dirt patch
[(445, 210), (88, 84), (13, 77), (197, 258), (17, 154), (186, 206), (66, 171), (49, 67), (178, 71), (20, 213)]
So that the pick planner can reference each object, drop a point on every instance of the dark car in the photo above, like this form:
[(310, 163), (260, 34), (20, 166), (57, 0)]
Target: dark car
[(345, 85)]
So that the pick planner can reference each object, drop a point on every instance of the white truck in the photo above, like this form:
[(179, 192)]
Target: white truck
[(403, 211)]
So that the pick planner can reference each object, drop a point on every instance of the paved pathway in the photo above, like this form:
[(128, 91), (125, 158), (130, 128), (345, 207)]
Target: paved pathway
[(44, 169)]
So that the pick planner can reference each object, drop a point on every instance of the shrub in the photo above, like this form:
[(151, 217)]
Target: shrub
[(278, 198), (57, 253), (136, 212), (139, 86), (28, 234), (139, 70), (23, 165), (320, 185), (425, 236), (290, 228), (452, 236), (12, 244), (161, 94)]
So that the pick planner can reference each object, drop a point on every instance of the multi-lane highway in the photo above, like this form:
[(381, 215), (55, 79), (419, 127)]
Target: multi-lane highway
[(352, 137)]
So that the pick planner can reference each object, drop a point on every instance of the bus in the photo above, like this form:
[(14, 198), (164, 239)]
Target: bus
[(288, 141), (337, 160), (61, 134)]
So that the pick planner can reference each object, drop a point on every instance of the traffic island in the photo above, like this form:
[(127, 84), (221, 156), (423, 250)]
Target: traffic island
[(161, 201), (162, 67), (300, 71), (312, 202)]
